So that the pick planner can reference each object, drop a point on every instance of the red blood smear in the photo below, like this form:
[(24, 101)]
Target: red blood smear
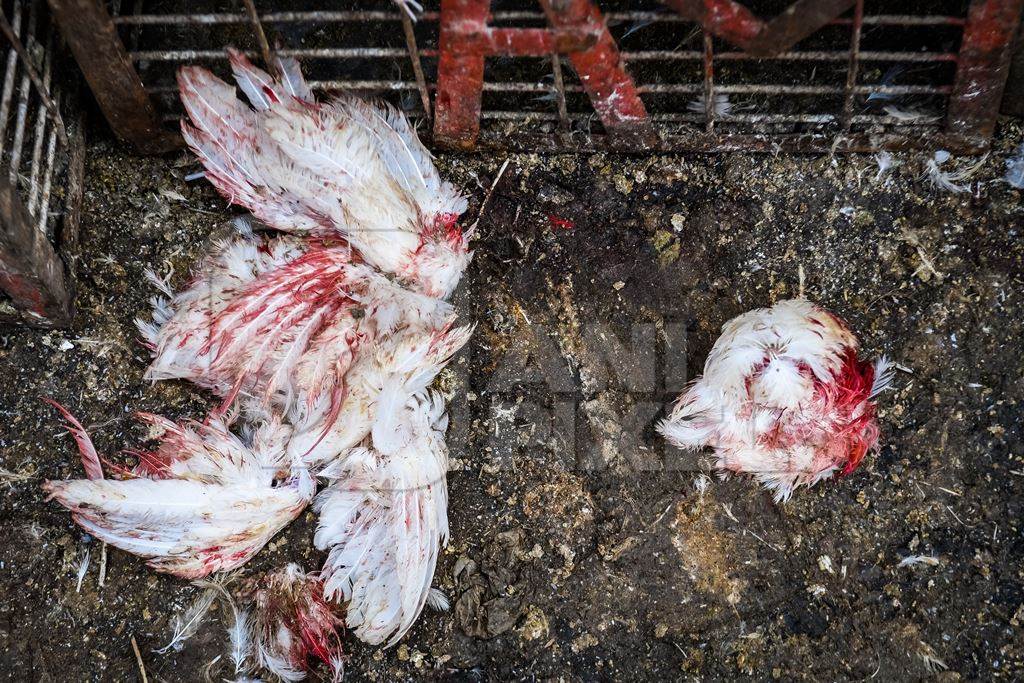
[(559, 223), (851, 389)]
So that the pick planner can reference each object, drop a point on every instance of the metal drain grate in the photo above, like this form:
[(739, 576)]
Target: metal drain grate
[(706, 75), (40, 170)]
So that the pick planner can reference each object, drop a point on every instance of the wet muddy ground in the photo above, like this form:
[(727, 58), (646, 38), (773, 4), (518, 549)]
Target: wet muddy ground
[(582, 547)]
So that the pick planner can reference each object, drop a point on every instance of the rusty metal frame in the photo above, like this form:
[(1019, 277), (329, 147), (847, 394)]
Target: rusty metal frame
[(578, 34), (31, 272), (39, 149)]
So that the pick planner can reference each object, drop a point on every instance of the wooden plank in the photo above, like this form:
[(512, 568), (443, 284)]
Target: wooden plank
[(31, 273), (90, 33)]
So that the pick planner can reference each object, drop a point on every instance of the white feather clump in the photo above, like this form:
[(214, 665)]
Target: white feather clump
[(292, 623), (387, 373), (950, 181), (383, 520), (783, 397)]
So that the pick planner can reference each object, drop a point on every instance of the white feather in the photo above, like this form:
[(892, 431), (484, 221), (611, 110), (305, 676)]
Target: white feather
[(438, 601), (186, 624), (240, 635), (950, 181), (885, 373), (83, 567)]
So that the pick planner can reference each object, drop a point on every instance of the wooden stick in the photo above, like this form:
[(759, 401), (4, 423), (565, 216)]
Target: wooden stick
[(261, 37), (138, 658), (417, 65), (103, 565), (487, 197)]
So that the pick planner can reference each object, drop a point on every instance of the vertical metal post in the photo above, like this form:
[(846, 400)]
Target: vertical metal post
[(982, 68), (90, 33), (853, 66), (31, 273), (460, 72), (709, 83)]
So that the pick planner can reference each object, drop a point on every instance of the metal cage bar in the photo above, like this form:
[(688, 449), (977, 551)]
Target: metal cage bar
[(641, 80)]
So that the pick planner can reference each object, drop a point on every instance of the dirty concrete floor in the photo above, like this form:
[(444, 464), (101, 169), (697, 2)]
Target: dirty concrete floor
[(582, 547)]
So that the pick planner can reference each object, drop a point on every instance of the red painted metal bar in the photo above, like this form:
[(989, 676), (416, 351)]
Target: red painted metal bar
[(460, 73), (604, 78), (982, 69), (577, 30), (726, 19), (735, 23), (535, 42)]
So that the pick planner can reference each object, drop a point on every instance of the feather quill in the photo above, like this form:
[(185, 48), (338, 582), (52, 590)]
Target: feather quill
[(86, 449)]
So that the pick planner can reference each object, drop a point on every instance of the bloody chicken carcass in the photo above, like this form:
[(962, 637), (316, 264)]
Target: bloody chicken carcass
[(320, 344), (784, 397)]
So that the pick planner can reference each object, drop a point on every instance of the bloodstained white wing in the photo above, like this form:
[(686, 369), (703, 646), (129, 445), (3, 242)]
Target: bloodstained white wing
[(270, 319), (346, 169), (181, 527)]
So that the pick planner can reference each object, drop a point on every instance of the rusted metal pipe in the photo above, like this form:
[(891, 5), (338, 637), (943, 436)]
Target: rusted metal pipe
[(982, 70)]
